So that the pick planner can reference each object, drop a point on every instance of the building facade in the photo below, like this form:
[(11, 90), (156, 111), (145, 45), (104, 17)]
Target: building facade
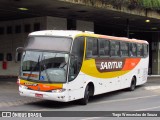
[(86, 15)]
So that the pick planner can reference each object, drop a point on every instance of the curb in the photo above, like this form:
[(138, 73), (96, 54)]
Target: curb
[(153, 76), (8, 76)]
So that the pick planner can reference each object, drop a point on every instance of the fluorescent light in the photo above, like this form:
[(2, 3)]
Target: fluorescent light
[(147, 21), (131, 33), (23, 9), (154, 28)]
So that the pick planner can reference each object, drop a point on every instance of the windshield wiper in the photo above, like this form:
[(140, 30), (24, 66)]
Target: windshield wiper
[(32, 68), (44, 66), (39, 67)]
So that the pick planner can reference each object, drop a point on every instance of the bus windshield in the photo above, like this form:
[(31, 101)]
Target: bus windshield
[(44, 66)]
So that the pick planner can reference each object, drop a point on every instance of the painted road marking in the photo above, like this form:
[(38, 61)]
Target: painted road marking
[(126, 99), (152, 87), (110, 101), (150, 108)]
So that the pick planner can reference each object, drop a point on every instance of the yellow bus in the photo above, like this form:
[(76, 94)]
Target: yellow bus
[(74, 65)]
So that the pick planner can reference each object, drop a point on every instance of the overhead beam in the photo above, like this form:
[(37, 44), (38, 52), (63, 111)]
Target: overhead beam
[(124, 9)]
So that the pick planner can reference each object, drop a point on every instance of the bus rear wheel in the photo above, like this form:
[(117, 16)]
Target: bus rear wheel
[(84, 100), (133, 84)]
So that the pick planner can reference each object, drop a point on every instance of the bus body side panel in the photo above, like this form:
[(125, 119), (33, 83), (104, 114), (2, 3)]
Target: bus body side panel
[(142, 71), (76, 88), (116, 80)]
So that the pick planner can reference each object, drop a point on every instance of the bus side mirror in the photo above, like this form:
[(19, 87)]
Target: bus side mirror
[(18, 51)]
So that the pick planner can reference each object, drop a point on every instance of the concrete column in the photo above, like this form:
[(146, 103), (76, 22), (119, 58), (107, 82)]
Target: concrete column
[(156, 54)]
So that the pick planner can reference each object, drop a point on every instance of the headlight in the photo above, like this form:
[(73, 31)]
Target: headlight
[(58, 90), (18, 81), (24, 87)]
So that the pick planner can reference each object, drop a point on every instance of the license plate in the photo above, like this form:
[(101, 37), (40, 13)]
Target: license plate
[(38, 95)]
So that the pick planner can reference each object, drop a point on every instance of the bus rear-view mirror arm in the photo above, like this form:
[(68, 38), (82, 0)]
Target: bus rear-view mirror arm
[(18, 50)]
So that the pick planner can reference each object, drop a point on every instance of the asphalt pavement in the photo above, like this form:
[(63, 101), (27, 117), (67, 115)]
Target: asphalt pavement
[(9, 95), (144, 98)]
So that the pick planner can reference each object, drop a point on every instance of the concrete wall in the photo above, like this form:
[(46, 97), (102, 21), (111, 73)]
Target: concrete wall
[(55, 23), (85, 25), (9, 42)]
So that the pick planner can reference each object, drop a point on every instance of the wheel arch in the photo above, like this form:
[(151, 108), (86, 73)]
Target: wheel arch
[(135, 78), (91, 88)]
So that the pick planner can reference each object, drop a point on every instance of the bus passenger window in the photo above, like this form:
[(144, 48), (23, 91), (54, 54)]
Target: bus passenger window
[(89, 49), (145, 50), (133, 49), (103, 47), (92, 49), (115, 49), (140, 50), (124, 49)]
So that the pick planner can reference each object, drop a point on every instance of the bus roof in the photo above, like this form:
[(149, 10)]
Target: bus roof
[(65, 33), (74, 33)]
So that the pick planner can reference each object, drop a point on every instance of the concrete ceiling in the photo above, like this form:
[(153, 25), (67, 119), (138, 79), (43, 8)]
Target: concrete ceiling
[(36, 8)]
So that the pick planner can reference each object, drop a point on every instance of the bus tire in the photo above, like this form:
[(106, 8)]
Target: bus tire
[(133, 84), (85, 99)]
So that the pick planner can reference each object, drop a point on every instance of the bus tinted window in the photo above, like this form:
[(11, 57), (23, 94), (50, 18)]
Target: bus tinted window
[(92, 49), (49, 43), (78, 47), (76, 59), (124, 49), (115, 48), (139, 50), (145, 50), (103, 47), (133, 49)]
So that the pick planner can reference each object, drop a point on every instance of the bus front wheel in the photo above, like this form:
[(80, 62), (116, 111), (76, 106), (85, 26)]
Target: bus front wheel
[(133, 84), (85, 99)]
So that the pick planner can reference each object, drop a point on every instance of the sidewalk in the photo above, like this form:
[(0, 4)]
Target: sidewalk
[(9, 94), (155, 80)]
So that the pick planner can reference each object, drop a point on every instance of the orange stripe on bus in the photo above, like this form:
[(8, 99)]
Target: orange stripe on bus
[(131, 63), (41, 86)]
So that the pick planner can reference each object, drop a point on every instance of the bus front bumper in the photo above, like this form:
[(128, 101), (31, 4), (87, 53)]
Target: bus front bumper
[(61, 97)]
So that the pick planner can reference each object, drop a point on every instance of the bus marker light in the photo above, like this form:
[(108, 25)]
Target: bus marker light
[(18, 81), (58, 90), (24, 87)]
